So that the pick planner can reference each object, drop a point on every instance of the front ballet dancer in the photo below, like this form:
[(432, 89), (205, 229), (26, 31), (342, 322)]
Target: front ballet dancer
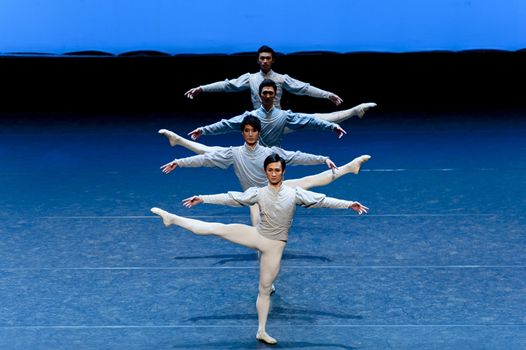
[(277, 203)]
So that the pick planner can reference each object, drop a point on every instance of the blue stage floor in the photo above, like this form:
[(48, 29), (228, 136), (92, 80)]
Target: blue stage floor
[(438, 263)]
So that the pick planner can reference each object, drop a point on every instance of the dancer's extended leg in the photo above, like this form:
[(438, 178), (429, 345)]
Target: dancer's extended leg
[(237, 233), (193, 146), (340, 116), (328, 176)]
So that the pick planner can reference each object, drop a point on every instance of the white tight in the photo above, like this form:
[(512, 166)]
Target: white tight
[(321, 179), (196, 147), (270, 258)]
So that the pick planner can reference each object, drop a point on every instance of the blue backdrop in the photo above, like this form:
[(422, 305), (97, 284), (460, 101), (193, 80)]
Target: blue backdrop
[(230, 26)]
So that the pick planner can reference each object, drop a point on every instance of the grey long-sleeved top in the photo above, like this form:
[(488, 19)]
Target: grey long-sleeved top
[(277, 207), (248, 162), (253, 80), (273, 124)]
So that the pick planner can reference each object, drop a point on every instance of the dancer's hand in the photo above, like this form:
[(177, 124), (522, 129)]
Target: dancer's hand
[(335, 99), (169, 167), (192, 201), (359, 208), (193, 92), (339, 131), (331, 165), (195, 134)]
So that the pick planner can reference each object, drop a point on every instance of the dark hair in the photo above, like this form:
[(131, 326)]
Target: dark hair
[(266, 48), (252, 121), (267, 82), (273, 158)]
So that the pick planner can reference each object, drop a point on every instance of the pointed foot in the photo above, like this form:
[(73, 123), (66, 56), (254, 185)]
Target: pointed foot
[(356, 163), (166, 216), (172, 137), (364, 107)]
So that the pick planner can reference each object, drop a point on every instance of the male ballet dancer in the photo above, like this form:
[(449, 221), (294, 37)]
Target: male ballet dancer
[(276, 122), (265, 59), (277, 202)]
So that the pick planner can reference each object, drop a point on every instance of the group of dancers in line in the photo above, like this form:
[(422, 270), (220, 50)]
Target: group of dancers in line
[(259, 165)]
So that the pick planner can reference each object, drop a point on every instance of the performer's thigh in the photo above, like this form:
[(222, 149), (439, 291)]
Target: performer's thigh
[(209, 149), (241, 234), (292, 182), (316, 180), (270, 262)]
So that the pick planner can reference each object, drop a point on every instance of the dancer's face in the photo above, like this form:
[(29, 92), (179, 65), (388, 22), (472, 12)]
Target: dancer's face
[(274, 173), (265, 60), (250, 135), (267, 96)]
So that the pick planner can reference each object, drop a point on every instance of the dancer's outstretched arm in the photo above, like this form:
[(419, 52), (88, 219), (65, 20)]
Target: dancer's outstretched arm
[(299, 87), (228, 85), (310, 199), (233, 199), (301, 158), (221, 127), (222, 159), (305, 121)]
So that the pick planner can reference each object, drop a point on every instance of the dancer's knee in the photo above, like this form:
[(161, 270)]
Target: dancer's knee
[(265, 285), (265, 289)]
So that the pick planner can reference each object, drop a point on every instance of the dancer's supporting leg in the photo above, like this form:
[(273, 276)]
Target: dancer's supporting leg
[(247, 236), (328, 176), (269, 265), (340, 116), (193, 146)]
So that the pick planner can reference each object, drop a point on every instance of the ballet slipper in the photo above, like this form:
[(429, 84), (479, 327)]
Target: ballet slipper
[(172, 137), (265, 338), (363, 107)]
